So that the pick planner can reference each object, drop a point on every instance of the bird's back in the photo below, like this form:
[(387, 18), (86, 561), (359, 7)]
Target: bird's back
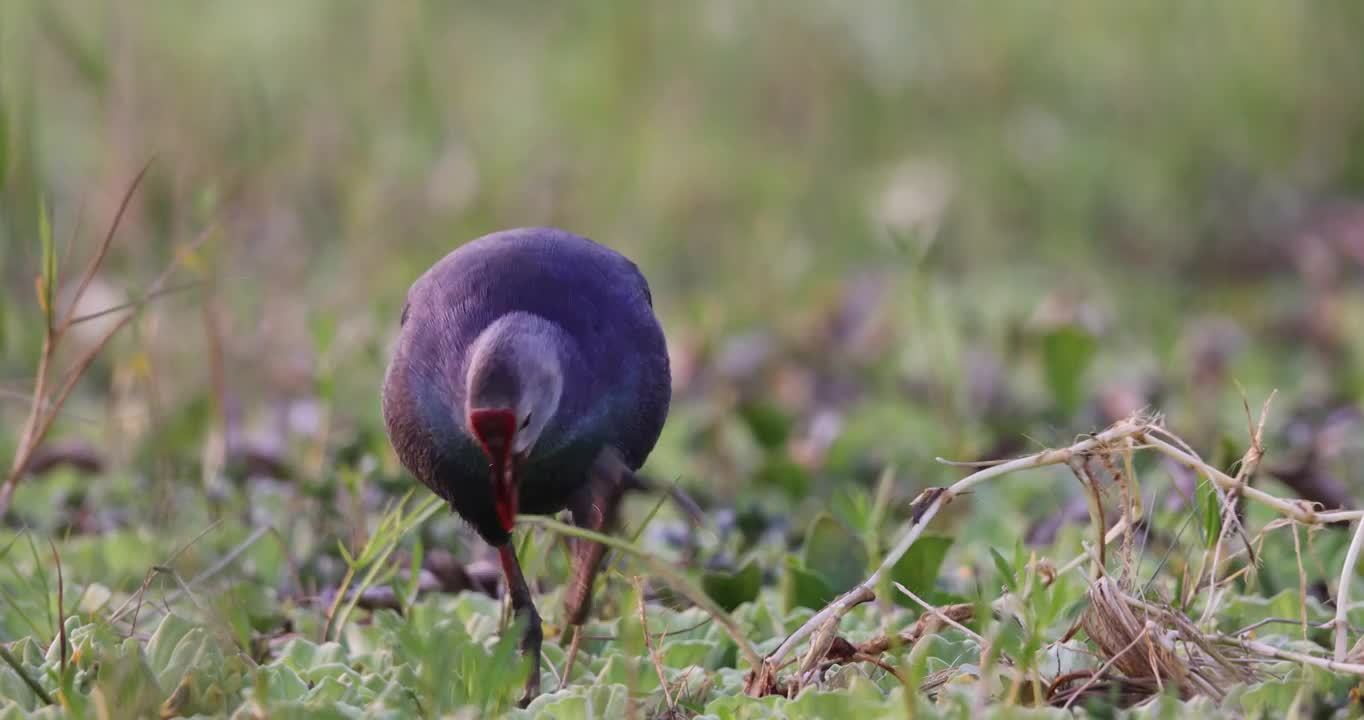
[(616, 390)]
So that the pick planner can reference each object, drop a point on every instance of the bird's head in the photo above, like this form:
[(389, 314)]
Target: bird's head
[(514, 382)]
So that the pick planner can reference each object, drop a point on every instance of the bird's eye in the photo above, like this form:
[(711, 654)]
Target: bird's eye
[(525, 423)]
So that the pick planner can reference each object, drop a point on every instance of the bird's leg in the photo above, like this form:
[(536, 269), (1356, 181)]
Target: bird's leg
[(594, 508), (524, 607)]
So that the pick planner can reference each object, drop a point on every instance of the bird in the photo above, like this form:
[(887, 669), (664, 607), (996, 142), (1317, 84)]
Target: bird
[(530, 375)]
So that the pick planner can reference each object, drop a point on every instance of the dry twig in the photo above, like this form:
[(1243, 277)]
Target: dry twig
[(653, 651), (45, 407), (1201, 666)]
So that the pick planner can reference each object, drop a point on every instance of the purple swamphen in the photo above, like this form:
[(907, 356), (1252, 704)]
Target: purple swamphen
[(530, 376)]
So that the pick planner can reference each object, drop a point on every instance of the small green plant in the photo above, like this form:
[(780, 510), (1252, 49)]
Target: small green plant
[(370, 563)]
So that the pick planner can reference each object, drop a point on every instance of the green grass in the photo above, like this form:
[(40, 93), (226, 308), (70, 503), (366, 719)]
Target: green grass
[(877, 234)]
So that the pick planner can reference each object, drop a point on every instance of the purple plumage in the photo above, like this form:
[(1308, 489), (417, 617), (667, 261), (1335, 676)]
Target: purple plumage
[(610, 348), (530, 374)]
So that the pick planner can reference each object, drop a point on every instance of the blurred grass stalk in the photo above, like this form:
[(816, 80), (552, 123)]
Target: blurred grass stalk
[(43, 413)]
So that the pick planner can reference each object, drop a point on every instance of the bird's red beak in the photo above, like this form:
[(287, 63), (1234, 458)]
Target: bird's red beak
[(495, 431)]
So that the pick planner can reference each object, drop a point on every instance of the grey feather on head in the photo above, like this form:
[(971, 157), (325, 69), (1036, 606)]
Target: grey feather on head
[(514, 365)]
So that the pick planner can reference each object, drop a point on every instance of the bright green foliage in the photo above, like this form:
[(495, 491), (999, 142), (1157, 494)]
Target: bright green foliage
[(1066, 354), (834, 553), (918, 569), (732, 589)]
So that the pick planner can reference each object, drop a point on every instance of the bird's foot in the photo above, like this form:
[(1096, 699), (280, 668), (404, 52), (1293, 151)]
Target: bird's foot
[(532, 688), (532, 635), (530, 646)]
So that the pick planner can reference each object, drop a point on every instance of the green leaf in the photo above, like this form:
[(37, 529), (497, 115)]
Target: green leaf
[(1006, 573), (732, 589), (1008, 639), (183, 658), (1272, 698), (685, 653), (1228, 454), (49, 269), (1242, 610), (127, 683), (1066, 353), (599, 701), (768, 423), (1209, 512), (163, 642), (833, 553), (802, 588), (853, 505), (918, 569), (779, 471), (861, 699), (413, 573)]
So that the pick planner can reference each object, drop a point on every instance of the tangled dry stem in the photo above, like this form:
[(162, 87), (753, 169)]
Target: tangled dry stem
[(1146, 645)]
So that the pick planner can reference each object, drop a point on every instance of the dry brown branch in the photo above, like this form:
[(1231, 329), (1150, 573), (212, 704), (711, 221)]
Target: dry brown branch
[(1266, 650), (820, 644), (1172, 648), (1126, 480), (1079, 466), (97, 260), (649, 643), (840, 651), (1230, 518), (1129, 691), (947, 619), (927, 624), (61, 602), (1302, 581), (571, 655), (1343, 591), (823, 644), (1109, 663), (44, 407), (1112, 625), (1302, 511), (924, 509)]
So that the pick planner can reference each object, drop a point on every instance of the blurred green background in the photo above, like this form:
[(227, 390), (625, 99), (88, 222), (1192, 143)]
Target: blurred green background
[(877, 232)]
